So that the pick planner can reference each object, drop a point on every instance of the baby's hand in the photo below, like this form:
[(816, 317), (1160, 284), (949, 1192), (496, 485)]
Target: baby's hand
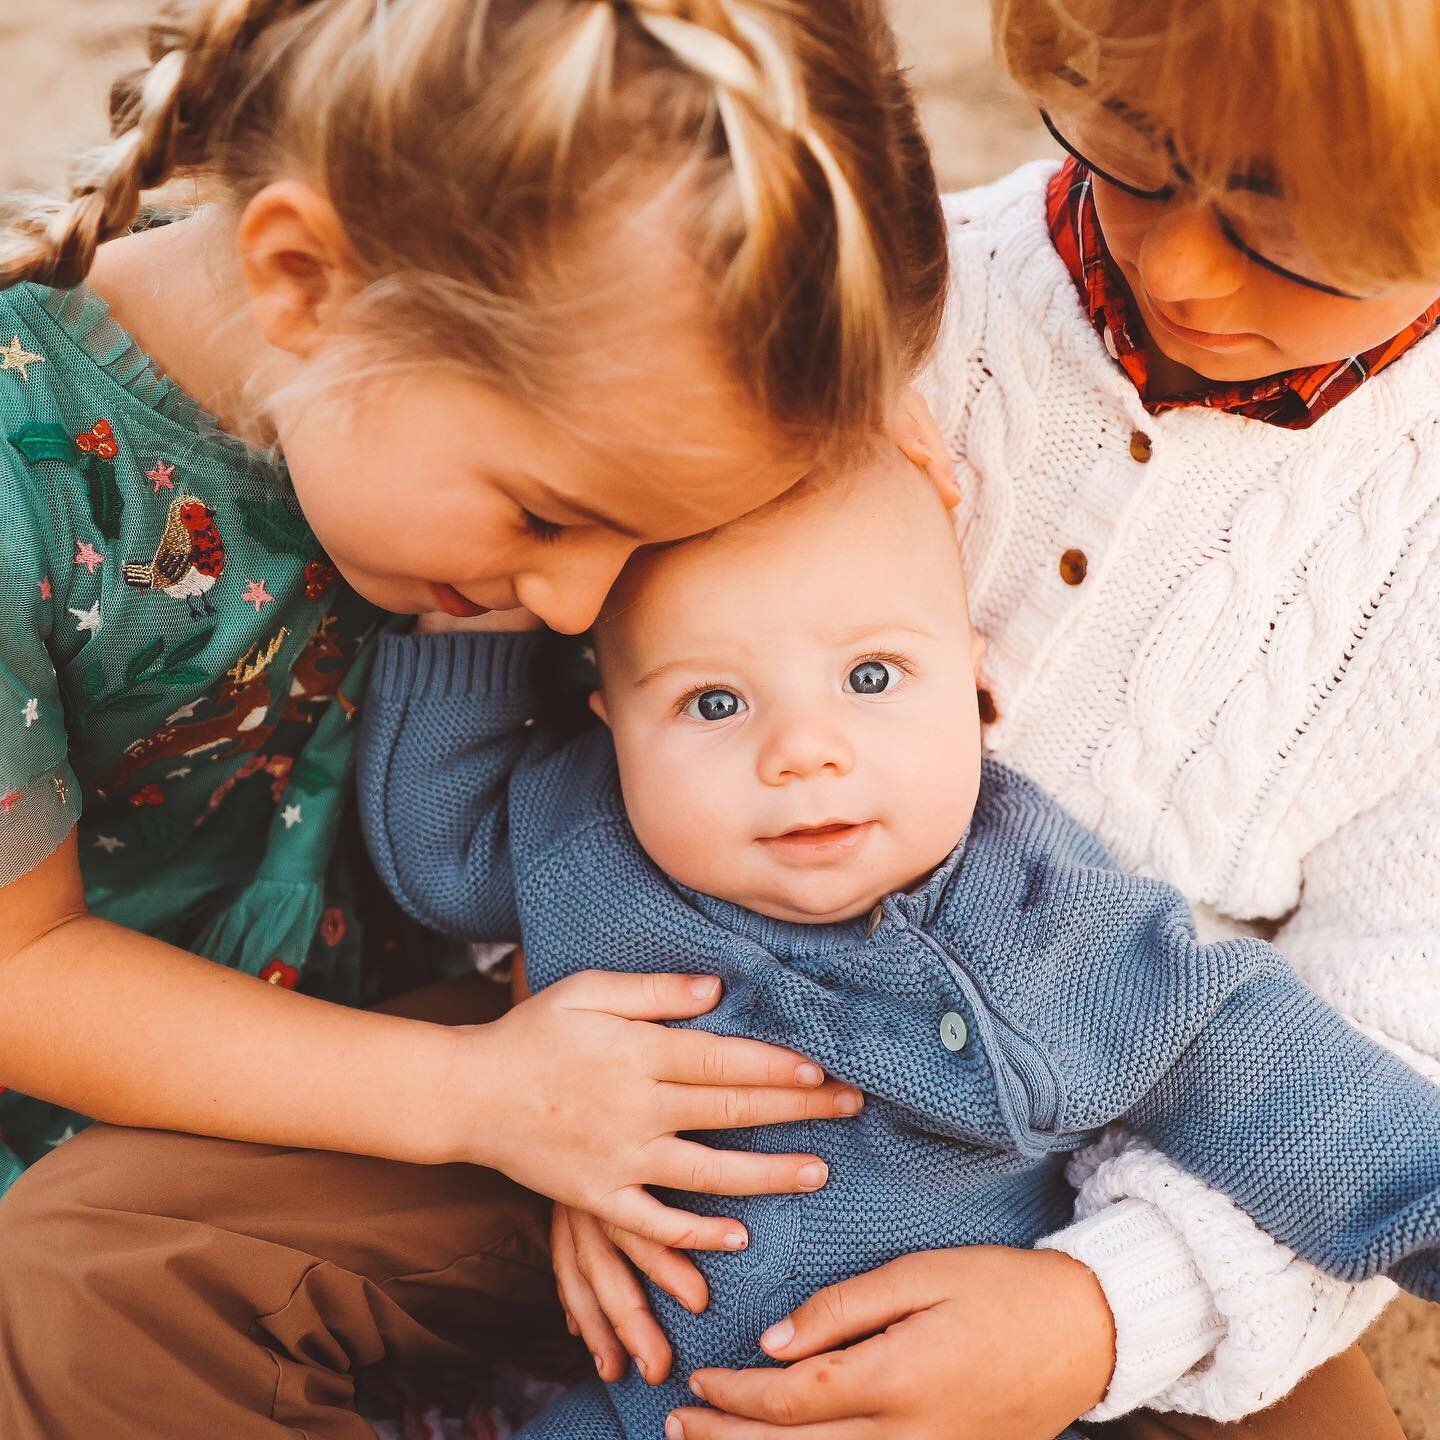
[(493, 622), (605, 1304)]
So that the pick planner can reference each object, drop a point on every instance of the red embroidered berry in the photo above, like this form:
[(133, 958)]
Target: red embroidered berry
[(99, 441), (287, 977), (148, 795), (320, 578)]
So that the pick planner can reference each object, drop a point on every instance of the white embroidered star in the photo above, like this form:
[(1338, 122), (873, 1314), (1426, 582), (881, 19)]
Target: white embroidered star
[(15, 356), (109, 844), (291, 816), (31, 712), (87, 619), (67, 1134), (180, 774)]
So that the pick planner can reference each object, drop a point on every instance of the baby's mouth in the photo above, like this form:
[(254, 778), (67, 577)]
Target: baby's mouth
[(827, 838)]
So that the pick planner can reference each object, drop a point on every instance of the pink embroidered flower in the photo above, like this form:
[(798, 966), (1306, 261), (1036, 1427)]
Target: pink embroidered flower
[(333, 928), (99, 441), (287, 977)]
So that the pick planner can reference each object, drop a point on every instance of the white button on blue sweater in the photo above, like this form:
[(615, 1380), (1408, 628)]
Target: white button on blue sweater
[(1068, 994)]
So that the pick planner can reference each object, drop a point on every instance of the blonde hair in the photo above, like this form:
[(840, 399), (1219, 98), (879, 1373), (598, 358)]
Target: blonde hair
[(1338, 96), (463, 142)]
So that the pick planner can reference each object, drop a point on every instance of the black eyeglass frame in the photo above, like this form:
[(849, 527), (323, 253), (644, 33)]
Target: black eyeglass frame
[(1227, 226)]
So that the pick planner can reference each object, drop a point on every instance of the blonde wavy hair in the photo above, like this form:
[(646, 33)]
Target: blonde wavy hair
[(1339, 97), (463, 143)]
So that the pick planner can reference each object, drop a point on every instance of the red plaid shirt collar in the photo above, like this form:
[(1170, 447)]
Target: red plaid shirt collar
[(1294, 400)]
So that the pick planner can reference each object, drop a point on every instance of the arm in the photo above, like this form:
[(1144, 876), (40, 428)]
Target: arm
[(447, 725), (1365, 938)]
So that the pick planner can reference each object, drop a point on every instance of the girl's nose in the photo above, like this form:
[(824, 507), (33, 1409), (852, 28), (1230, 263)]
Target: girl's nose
[(569, 590), (1186, 257), (801, 746)]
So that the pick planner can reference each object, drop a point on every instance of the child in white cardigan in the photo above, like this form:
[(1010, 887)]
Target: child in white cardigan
[(1194, 396)]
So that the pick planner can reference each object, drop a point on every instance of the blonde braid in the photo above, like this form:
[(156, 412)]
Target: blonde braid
[(158, 125)]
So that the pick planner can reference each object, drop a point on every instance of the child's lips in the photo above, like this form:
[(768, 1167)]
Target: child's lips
[(830, 838), (452, 602)]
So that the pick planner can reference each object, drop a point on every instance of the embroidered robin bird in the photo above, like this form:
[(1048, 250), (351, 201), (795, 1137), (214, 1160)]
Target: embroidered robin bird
[(191, 557)]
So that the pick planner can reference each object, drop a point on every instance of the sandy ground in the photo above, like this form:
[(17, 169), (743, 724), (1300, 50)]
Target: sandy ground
[(58, 56)]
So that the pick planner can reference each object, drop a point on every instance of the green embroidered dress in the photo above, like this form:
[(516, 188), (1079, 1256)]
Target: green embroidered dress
[(179, 670)]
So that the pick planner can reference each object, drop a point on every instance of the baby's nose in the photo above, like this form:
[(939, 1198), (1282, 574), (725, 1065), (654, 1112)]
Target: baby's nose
[(804, 746)]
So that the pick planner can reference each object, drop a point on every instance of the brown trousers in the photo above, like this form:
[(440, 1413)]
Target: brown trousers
[(166, 1287)]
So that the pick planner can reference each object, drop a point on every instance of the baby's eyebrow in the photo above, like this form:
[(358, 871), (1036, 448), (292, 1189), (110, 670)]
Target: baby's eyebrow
[(855, 634)]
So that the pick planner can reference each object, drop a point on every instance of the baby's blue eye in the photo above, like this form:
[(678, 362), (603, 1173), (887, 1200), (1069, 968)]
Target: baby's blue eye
[(870, 677), (716, 705)]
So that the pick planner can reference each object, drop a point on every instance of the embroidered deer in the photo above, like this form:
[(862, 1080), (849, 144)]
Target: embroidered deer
[(239, 726)]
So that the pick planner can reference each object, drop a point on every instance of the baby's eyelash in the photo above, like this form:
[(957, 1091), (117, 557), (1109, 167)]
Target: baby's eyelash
[(900, 662), (545, 531), (696, 691)]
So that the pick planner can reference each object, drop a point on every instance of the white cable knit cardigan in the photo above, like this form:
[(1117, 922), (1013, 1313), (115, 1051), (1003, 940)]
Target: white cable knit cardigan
[(1242, 695)]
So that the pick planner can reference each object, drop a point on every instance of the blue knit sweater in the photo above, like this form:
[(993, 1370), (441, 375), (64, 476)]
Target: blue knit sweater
[(1028, 995)]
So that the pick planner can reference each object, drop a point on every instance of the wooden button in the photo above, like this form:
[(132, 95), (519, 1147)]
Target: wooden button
[(1074, 567), (1142, 447), (988, 713)]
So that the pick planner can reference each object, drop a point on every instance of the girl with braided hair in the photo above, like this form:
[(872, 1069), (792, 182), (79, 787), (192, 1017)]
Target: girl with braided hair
[(484, 297)]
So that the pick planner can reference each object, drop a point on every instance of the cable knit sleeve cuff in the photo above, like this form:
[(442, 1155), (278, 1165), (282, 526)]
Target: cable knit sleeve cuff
[(438, 667), (1165, 1316)]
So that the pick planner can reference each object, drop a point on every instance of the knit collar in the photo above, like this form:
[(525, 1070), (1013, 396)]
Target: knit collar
[(787, 940), (1293, 400)]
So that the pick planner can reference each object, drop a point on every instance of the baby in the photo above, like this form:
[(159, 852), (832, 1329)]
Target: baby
[(788, 792)]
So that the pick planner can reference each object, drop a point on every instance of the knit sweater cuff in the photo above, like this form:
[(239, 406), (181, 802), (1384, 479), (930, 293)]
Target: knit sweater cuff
[(438, 667), (1165, 1317)]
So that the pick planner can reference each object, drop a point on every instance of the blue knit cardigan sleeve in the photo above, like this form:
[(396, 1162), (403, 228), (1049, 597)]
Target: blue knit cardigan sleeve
[(448, 733)]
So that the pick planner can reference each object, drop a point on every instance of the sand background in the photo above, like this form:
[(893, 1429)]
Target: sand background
[(59, 55)]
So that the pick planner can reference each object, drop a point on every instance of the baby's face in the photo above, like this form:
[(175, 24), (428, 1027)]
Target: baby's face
[(793, 698)]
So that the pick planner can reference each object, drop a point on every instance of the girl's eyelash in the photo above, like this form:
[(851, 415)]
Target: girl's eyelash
[(546, 531)]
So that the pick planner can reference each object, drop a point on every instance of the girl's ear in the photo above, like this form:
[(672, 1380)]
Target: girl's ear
[(297, 265), (914, 430), (597, 705)]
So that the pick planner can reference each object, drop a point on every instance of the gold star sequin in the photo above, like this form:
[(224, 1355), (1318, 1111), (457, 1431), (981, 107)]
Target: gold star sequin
[(15, 356)]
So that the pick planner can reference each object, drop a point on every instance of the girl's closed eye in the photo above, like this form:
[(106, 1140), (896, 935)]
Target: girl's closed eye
[(712, 703), (547, 532), (877, 675)]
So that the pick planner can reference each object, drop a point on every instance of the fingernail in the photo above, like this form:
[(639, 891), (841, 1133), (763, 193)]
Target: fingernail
[(695, 1389), (674, 1430), (599, 1366), (736, 1240), (849, 1102), (643, 1368), (808, 1074), (704, 986), (813, 1176), (777, 1337)]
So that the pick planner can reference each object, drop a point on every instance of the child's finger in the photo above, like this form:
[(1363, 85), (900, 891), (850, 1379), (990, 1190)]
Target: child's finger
[(581, 1305), (691, 1057), (686, 1165), (673, 1271), (712, 1107), (622, 1299), (639, 1212)]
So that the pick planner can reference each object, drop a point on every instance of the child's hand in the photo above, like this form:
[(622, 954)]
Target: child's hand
[(605, 1304), (597, 1095), (1023, 1338)]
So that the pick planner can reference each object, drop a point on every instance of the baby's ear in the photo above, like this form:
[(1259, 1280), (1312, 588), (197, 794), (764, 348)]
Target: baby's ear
[(597, 705)]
